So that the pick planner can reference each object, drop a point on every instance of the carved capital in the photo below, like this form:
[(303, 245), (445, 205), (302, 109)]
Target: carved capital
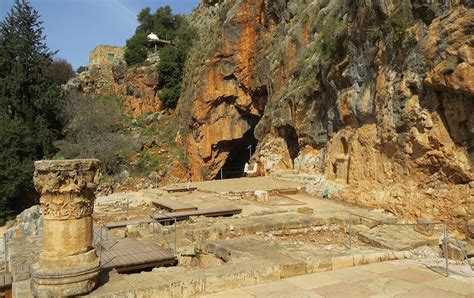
[(67, 187), (61, 207)]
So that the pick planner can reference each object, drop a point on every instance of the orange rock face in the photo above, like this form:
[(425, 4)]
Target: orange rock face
[(376, 98), (224, 89), (135, 86)]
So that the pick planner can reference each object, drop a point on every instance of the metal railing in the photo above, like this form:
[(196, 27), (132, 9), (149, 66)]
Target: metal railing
[(170, 218), (102, 235), (229, 173), (445, 235)]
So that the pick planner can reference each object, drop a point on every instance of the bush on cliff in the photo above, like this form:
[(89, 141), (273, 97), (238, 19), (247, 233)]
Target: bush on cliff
[(172, 58), (162, 23), (29, 104), (172, 63)]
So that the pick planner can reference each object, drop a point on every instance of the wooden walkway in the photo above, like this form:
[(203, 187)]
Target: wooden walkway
[(209, 212), (180, 189), (129, 254), (173, 205)]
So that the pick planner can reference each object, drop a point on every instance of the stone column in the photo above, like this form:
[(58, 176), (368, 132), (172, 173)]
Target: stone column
[(68, 264)]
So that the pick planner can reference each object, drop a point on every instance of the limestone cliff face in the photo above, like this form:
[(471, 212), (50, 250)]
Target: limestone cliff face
[(377, 96), (135, 86)]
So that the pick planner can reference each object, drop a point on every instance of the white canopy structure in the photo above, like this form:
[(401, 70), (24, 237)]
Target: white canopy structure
[(152, 36)]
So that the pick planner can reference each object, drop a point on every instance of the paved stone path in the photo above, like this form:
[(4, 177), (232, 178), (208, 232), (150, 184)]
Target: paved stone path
[(388, 279)]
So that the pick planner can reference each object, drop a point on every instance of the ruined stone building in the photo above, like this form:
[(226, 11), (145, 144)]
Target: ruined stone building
[(104, 55)]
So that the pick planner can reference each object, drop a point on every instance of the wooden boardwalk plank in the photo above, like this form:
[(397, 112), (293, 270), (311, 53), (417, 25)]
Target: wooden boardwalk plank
[(130, 254), (173, 205), (179, 189), (209, 212)]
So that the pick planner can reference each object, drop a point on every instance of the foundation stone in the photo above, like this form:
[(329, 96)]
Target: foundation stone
[(68, 265)]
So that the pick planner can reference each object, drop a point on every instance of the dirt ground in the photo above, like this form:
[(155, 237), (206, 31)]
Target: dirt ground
[(330, 237)]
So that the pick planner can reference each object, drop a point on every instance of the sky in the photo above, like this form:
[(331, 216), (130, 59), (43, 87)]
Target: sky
[(75, 27)]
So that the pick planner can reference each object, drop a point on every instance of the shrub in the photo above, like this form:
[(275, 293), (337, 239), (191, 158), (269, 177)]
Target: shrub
[(332, 37), (172, 58), (82, 69), (95, 129), (60, 71)]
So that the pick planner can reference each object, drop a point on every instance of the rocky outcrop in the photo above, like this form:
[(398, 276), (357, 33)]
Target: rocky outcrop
[(135, 86), (375, 95)]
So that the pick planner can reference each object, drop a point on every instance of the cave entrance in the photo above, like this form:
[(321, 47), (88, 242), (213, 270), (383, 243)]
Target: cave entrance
[(288, 133), (240, 152)]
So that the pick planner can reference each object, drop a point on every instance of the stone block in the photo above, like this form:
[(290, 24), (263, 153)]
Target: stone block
[(454, 252), (471, 228), (318, 265), (21, 289), (358, 260), (342, 262), (261, 195), (292, 269), (425, 227), (375, 258), (305, 210)]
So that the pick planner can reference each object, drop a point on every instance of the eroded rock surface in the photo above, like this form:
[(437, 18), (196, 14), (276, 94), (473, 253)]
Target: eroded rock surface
[(135, 86), (375, 95)]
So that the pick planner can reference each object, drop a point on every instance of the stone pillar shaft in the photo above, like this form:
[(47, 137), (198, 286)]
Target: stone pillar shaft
[(68, 265)]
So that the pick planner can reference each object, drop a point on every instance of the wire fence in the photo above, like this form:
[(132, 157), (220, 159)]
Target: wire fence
[(445, 237), (101, 236), (231, 172)]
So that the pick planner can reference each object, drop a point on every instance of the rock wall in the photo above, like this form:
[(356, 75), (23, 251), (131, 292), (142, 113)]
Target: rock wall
[(135, 86), (375, 95)]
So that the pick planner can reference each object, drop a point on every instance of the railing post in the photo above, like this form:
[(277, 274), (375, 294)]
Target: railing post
[(175, 236), (446, 248), (100, 247), (5, 252), (222, 175), (350, 231), (128, 209)]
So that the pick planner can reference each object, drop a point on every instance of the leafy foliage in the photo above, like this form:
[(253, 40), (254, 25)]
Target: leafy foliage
[(172, 58), (137, 49), (332, 36), (162, 23), (29, 103), (81, 69), (94, 129), (172, 64), (60, 71)]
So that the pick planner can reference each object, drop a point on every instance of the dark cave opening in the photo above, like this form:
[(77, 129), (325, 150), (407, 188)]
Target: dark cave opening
[(240, 152), (288, 133)]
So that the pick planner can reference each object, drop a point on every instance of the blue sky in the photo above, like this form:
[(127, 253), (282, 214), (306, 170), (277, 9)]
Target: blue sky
[(75, 27)]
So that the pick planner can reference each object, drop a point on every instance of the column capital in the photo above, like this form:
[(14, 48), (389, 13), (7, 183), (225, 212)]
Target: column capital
[(67, 187)]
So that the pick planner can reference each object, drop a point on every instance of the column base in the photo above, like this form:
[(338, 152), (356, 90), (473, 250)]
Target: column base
[(60, 280)]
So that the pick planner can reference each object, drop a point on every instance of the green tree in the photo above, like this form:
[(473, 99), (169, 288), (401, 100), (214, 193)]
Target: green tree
[(172, 63), (162, 23), (95, 129), (60, 71), (136, 51), (81, 69), (172, 58), (29, 103)]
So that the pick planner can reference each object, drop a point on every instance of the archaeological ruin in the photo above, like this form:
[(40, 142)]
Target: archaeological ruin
[(292, 148)]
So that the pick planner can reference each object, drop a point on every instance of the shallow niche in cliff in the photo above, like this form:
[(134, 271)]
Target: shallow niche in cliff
[(240, 152), (288, 133)]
